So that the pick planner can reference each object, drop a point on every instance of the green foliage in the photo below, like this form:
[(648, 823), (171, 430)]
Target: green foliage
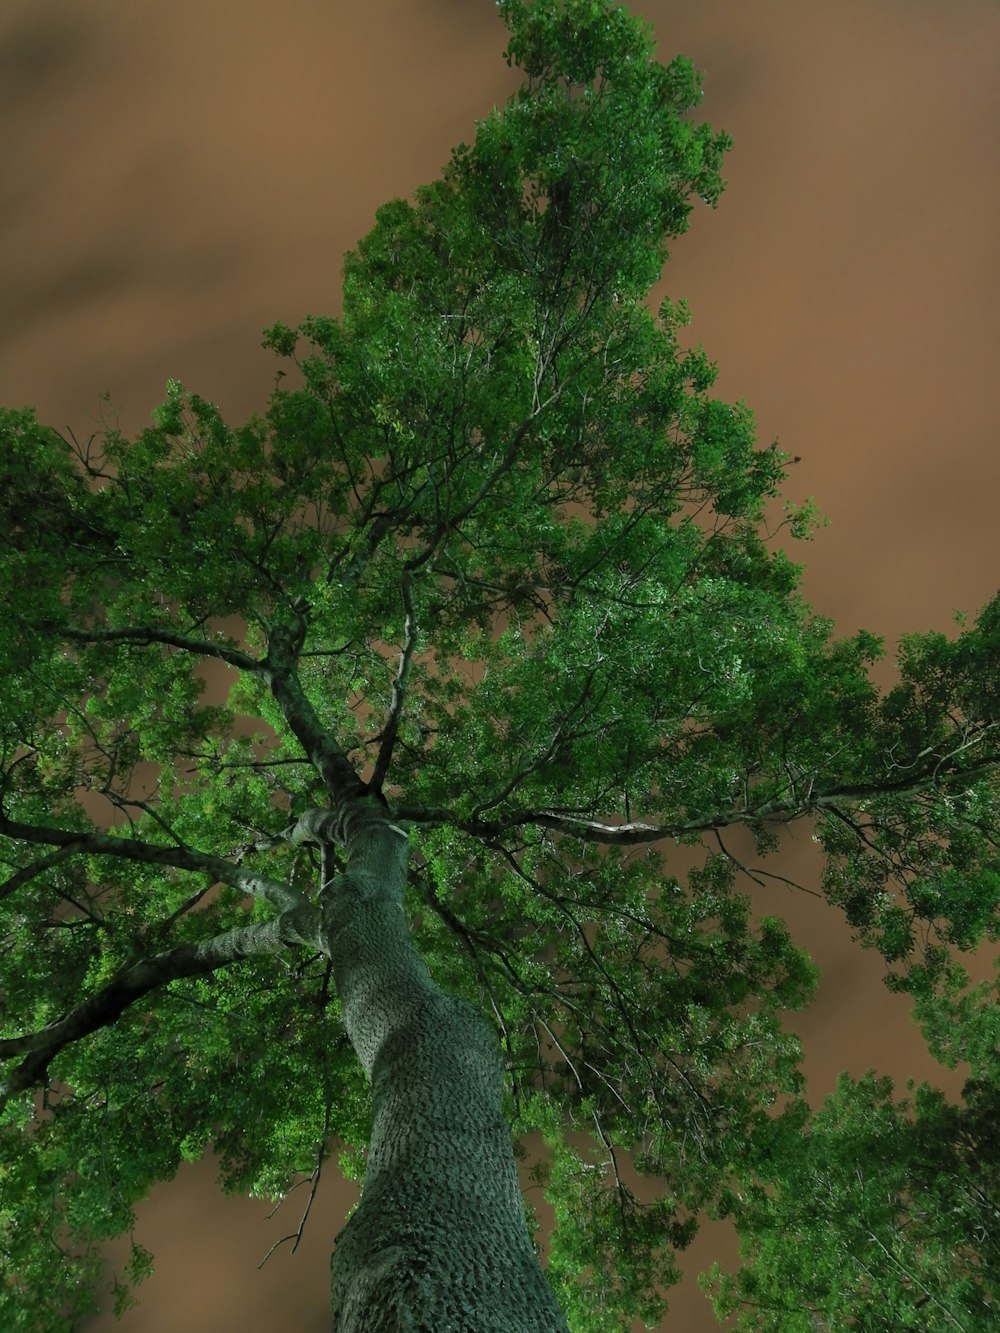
[(525, 553), (963, 1023), (249, 1066), (915, 865), (872, 1214)]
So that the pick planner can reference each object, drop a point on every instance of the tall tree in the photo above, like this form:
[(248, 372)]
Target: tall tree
[(500, 615)]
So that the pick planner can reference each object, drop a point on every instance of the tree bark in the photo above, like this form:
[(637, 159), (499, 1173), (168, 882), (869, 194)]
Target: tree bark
[(439, 1242)]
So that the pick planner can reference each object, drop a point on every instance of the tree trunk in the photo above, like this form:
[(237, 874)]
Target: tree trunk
[(438, 1243)]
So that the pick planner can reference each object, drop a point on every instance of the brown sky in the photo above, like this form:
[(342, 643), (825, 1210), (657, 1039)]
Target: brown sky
[(178, 175)]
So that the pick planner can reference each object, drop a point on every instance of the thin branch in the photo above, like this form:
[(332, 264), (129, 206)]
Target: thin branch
[(126, 803), (561, 737), (758, 875), (296, 1236), (638, 1046), (928, 1295), (36, 868)]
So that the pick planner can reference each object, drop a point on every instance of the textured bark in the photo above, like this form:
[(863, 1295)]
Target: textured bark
[(439, 1241)]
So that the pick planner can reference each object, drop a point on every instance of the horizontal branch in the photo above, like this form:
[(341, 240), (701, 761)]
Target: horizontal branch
[(276, 892), (298, 926), (634, 832), (144, 635)]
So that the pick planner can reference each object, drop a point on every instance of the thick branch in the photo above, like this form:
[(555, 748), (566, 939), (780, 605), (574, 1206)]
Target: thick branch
[(276, 892), (398, 688), (330, 762), (148, 634), (636, 832), (298, 926)]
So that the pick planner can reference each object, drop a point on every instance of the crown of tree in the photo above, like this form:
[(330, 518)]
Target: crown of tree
[(493, 601)]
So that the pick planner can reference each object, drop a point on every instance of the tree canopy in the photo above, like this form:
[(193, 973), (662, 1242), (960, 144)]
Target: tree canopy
[(496, 567)]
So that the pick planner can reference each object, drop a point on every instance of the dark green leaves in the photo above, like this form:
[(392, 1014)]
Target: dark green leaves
[(873, 1214)]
